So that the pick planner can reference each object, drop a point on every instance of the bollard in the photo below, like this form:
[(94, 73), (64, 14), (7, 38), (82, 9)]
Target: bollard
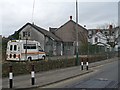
[(10, 77), (32, 76), (87, 64), (82, 65)]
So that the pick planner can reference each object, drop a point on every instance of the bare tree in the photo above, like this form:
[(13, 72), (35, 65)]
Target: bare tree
[(112, 40)]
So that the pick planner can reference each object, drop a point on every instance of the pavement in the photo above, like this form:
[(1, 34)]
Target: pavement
[(50, 77)]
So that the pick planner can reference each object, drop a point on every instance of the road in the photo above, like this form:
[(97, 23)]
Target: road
[(103, 76)]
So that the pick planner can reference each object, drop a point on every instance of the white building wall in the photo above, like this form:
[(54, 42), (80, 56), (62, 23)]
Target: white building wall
[(100, 38)]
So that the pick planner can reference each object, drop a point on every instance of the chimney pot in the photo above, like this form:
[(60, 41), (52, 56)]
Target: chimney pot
[(70, 17), (110, 26)]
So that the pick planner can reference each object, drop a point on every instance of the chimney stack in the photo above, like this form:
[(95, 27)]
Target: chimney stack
[(70, 17)]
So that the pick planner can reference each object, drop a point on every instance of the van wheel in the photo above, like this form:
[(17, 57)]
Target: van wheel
[(29, 58), (43, 57)]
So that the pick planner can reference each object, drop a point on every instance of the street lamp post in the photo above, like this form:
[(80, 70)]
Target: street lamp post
[(26, 49), (88, 47), (95, 49)]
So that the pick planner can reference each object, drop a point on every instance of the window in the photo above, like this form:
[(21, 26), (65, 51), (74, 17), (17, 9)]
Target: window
[(11, 47), (26, 34), (106, 33), (33, 47), (40, 49), (96, 39), (29, 46), (15, 47)]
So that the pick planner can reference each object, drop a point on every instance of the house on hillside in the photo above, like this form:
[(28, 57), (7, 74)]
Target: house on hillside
[(98, 38), (108, 36), (56, 41)]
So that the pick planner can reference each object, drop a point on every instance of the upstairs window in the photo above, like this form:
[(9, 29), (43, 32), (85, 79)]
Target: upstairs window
[(26, 34)]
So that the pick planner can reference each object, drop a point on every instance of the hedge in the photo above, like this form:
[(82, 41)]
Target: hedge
[(45, 65)]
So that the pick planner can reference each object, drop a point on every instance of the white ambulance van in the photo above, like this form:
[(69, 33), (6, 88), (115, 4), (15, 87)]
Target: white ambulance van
[(23, 50)]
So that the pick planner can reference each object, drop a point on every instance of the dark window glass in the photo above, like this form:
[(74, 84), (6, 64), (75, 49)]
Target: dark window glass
[(15, 47), (10, 47), (28, 34), (30, 46), (24, 47), (24, 33), (33, 47)]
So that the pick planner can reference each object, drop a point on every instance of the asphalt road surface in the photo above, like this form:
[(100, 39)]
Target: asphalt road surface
[(104, 76)]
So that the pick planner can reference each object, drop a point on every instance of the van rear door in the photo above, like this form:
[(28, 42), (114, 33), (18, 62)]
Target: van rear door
[(14, 51)]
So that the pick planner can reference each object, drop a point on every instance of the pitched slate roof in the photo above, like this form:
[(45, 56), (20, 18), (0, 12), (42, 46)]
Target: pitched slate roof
[(73, 23), (43, 31), (67, 32)]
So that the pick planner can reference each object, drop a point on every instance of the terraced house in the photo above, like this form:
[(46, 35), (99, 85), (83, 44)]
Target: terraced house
[(56, 41)]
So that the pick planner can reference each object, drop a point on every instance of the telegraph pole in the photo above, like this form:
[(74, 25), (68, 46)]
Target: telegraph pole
[(76, 27)]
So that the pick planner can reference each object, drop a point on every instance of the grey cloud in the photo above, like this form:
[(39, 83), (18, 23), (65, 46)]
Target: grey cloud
[(16, 13), (98, 12)]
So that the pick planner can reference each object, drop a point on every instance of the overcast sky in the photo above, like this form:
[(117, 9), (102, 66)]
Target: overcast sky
[(54, 13)]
